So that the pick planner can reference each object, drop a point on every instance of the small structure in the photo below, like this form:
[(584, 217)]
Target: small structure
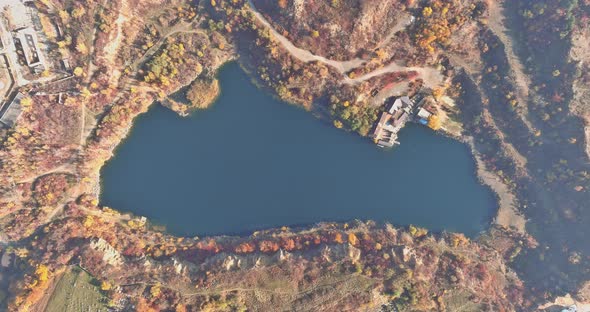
[(11, 111), (65, 63), (424, 114), (59, 31)]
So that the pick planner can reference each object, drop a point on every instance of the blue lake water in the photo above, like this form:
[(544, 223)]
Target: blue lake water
[(252, 162)]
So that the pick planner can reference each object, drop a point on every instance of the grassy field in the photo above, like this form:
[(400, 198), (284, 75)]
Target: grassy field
[(460, 302), (76, 291)]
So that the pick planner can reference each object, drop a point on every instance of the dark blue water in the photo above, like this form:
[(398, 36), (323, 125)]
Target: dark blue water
[(252, 162)]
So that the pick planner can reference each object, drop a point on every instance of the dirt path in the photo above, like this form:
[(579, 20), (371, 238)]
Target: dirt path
[(64, 168), (305, 55), (289, 292), (581, 101), (508, 215), (111, 48), (521, 80), (181, 27), (91, 66), (430, 76), (83, 125), (404, 22)]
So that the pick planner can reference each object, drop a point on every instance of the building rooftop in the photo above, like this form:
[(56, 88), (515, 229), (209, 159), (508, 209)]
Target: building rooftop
[(401, 103), (11, 111), (392, 121), (424, 113), (400, 119), (28, 40), (406, 101)]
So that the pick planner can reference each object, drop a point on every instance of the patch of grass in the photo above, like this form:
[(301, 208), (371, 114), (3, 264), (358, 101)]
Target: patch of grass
[(460, 302), (76, 291)]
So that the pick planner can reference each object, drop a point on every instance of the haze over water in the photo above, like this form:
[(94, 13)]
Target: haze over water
[(252, 162)]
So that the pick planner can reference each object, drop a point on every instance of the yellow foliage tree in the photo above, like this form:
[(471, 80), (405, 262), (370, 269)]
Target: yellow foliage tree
[(427, 12), (78, 71), (437, 93), (434, 122), (64, 15), (78, 12), (459, 240), (105, 286), (26, 102), (85, 92), (81, 47), (417, 231), (46, 3), (42, 273), (47, 26), (352, 239), (155, 291), (21, 252), (338, 238), (88, 221)]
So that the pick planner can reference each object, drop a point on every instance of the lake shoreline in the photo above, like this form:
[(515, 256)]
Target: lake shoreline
[(400, 175)]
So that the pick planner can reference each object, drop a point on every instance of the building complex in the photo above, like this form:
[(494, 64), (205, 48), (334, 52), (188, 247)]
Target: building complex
[(402, 110)]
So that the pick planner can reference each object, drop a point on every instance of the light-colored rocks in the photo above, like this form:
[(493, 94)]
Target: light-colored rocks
[(110, 254), (354, 254)]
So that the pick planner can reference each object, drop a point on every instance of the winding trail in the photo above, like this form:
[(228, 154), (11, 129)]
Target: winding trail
[(431, 76), (305, 55), (182, 27)]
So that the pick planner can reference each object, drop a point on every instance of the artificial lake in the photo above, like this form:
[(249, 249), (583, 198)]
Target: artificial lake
[(252, 162)]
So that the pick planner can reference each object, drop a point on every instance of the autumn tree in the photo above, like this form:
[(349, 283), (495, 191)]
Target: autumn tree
[(42, 273), (437, 93), (352, 239), (338, 238), (78, 71), (81, 47), (105, 286), (434, 122)]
